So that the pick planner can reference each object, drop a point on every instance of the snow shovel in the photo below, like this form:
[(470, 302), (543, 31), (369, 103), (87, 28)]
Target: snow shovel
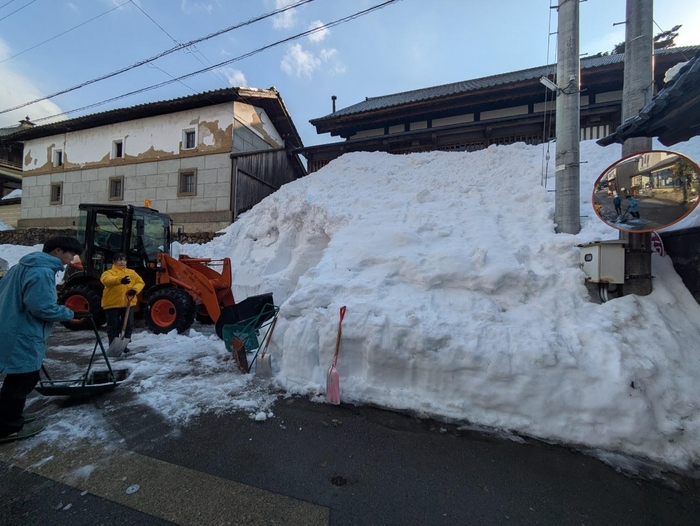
[(264, 368), (333, 379), (116, 348)]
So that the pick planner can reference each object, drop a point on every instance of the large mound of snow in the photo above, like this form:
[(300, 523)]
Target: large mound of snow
[(463, 303)]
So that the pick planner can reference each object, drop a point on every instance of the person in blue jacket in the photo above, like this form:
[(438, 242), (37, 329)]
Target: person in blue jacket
[(28, 309), (632, 206)]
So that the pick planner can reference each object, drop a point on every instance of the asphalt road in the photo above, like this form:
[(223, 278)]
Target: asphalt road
[(320, 464)]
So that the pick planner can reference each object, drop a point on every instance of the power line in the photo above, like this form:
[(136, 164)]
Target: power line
[(160, 55), (6, 3), (240, 57), (13, 12), (218, 76), (65, 32)]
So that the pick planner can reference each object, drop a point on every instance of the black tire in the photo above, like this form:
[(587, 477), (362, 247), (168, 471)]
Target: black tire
[(203, 318), (83, 297), (170, 308)]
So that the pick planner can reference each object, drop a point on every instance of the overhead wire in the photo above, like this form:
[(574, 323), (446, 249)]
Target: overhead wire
[(64, 32), (159, 55), (547, 118), (663, 31), (226, 62), (6, 3), (186, 50), (16, 10)]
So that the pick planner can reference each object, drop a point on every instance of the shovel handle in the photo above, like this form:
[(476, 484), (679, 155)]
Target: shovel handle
[(269, 335), (126, 315), (337, 340)]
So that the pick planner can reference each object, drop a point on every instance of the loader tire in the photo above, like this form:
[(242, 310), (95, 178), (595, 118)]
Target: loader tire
[(83, 298), (169, 309)]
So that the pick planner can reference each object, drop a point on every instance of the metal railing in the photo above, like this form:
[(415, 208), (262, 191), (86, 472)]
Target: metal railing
[(10, 164)]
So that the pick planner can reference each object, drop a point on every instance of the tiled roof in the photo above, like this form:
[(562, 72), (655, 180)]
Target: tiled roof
[(445, 90), (269, 99), (11, 129), (672, 115)]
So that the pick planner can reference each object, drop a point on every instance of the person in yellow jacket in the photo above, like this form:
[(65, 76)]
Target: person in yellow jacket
[(121, 286)]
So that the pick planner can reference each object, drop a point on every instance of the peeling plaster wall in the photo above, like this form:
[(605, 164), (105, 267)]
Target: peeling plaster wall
[(153, 157), (144, 140), (253, 130)]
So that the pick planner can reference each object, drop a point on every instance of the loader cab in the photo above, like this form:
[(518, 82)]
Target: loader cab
[(140, 233)]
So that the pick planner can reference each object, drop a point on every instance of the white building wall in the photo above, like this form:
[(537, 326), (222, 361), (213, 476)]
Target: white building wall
[(156, 181), (143, 139), (153, 158), (253, 130)]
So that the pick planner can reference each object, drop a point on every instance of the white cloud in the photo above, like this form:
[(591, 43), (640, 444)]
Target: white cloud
[(116, 3), (234, 76), (319, 35), (195, 7), (287, 19), (73, 7), (16, 89), (300, 62), (330, 57)]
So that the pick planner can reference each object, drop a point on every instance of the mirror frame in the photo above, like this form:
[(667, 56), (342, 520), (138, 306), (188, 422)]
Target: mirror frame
[(618, 226)]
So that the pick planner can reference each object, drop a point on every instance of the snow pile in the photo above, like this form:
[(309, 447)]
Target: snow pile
[(464, 304), (5, 226), (14, 194)]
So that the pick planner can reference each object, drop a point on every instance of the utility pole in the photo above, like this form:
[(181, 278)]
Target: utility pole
[(567, 197), (637, 90)]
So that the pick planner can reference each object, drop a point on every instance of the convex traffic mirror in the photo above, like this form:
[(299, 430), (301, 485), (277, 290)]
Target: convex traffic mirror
[(647, 191)]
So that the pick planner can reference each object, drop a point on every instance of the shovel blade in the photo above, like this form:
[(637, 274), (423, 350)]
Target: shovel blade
[(333, 386), (116, 348), (264, 367)]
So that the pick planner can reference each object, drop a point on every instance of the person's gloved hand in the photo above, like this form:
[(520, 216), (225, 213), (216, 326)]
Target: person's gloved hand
[(131, 293), (125, 280)]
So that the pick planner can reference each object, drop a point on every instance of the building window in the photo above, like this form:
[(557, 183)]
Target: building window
[(189, 139), (116, 188), (118, 149), (57, 157), (188, 183), (56, 193)]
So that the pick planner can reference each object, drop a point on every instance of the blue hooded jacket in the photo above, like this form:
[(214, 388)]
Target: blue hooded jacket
[(28, 309)]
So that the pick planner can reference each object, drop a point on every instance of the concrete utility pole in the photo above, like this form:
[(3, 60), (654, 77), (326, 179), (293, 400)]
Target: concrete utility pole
[(637, 91), (567, 202)]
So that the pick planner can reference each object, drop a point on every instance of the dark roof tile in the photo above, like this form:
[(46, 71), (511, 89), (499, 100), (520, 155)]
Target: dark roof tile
[(445, 90)]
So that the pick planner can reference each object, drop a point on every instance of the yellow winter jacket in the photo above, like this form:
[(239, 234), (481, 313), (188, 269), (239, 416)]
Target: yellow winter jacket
[(114, 295)]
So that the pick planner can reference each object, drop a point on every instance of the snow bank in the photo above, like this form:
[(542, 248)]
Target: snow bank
[(464, 304)]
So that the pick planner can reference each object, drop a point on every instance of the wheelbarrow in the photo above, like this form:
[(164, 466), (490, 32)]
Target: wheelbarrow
[(248, 335), (92, 382)]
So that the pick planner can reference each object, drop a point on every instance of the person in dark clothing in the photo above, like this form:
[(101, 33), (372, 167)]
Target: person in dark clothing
[(618, 204), (28, 309)]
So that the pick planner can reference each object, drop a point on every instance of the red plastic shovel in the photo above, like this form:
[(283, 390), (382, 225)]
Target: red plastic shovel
[(333, 379)]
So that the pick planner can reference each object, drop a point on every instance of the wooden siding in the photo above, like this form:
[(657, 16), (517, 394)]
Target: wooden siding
[(257, 175), (9, 213)]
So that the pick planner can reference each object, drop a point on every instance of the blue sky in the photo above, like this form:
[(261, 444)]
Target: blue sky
[(407, 45)]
